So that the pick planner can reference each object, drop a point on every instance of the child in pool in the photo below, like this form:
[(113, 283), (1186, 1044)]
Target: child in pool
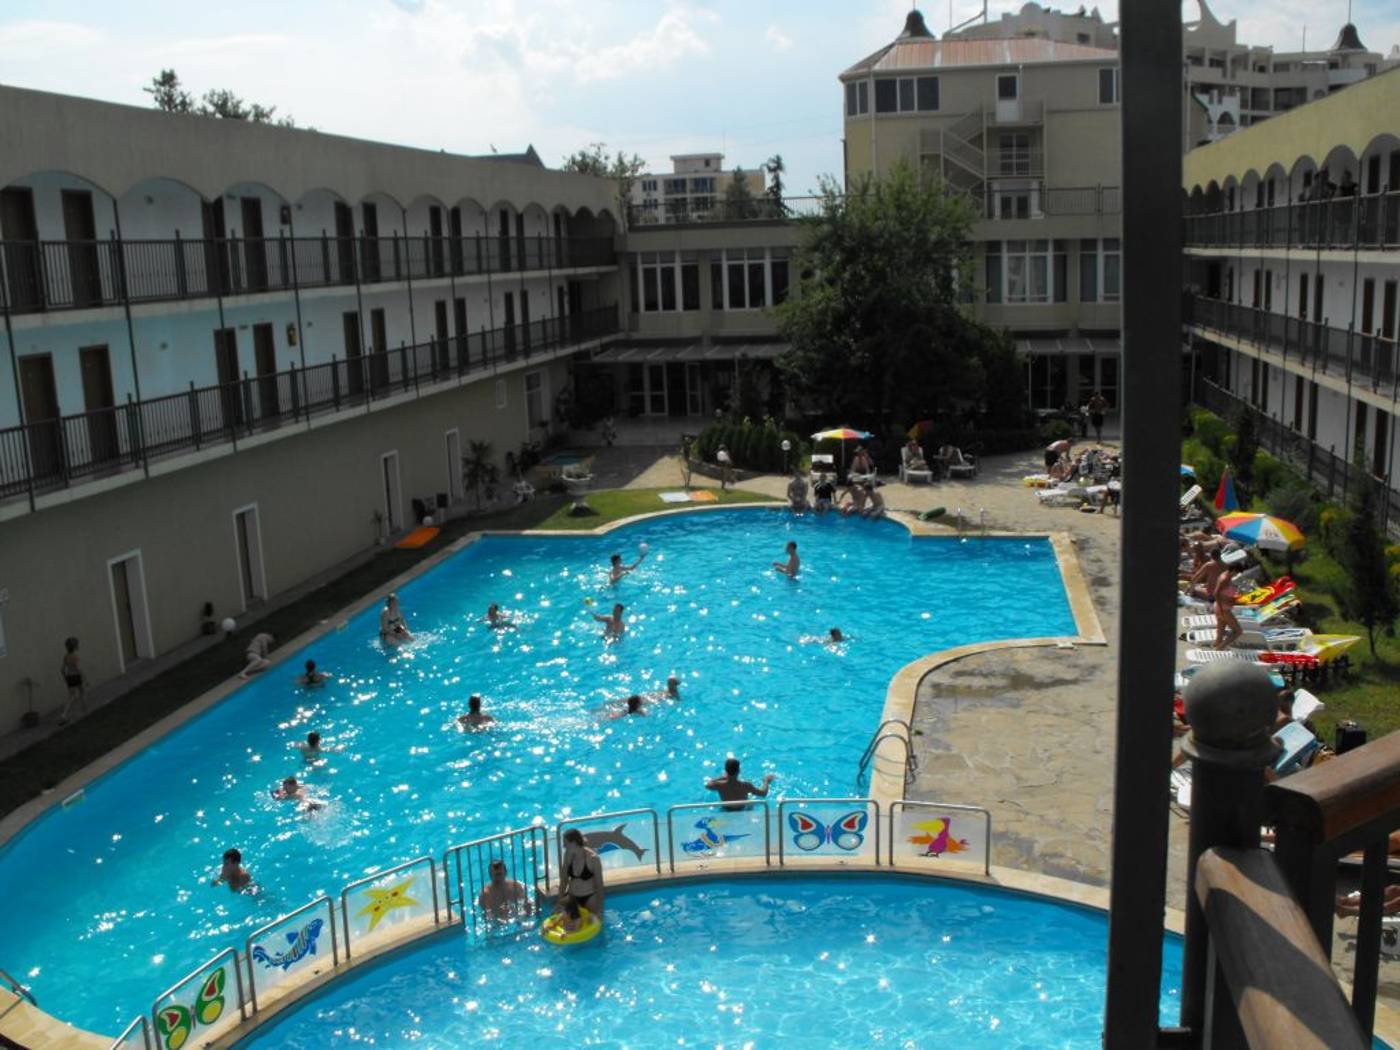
[(567, 917)]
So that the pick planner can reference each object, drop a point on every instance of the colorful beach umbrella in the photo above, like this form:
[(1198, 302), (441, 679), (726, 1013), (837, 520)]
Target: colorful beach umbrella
[(1225, 498), (1188, 471), (840, 434), (1261, 530), (919, 429)]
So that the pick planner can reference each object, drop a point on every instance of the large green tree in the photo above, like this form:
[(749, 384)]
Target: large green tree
[(878, 330), (1369, 595), (619, 167), (739, 200), (169, 94)]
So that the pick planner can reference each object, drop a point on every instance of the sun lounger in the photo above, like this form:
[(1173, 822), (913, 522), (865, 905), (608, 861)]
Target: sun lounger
[(1189, 496), (1221, 656), (1298, 745), (1305, 705), (961, 465), (908, 475), (1282, 639), (1181, 788), (823, 466)]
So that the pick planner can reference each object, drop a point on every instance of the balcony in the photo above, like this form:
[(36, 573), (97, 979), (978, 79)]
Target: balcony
[(1346, 223), (39, 276), (753, 209), (47, 455), (1362, 359)]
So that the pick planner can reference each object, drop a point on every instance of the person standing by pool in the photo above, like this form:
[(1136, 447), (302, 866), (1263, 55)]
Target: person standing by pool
[(1224, 593), (581, 873), (615, 628), (233, 872), (393, 630), (503, 898), (1055, 451), (726, 468), (1097, 406), (862, 466), (824, 492), (793, 565), (72, 672), (797, 492), (735, 793), (475, 717)]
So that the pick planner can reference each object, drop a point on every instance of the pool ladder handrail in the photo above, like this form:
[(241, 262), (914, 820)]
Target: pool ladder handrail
[(19, 989), (911, 763)]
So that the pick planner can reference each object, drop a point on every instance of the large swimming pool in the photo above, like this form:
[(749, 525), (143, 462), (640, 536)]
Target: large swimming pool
[(792, 962), (109, 900)]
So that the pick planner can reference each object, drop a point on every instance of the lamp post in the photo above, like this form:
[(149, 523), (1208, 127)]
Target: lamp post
[(787, 447)]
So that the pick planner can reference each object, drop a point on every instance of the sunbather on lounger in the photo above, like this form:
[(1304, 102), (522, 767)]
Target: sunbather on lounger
[(1224, 594)]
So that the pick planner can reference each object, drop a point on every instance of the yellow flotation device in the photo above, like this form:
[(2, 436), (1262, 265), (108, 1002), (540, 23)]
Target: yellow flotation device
[(553, 930)]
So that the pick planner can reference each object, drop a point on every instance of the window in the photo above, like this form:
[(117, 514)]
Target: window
[(927, 93), (674, 186), (886, 96), (1060, 277), (1108, 87), (1026, 272), (906, 95), (1008, 87), (535, 414), (1014, 153), (666, 279), (703, 185), (690, 282), (851, 101), (780, 281), (748, 280), (648, 185), (994, 271), (863, 95), (500, 393), (1100, 270)]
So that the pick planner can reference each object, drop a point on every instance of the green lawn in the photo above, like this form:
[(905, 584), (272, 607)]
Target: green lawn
[(613, 504)]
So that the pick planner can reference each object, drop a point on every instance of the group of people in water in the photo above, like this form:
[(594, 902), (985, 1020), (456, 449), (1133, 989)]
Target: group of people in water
[(581, 872)]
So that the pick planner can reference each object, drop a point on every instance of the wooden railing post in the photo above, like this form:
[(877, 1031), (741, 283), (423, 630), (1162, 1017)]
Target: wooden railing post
[(1232, 709)]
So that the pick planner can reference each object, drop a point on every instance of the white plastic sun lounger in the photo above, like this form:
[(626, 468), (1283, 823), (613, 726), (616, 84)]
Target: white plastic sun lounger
[(1281, 639), (1248, 615), (1305, 705), (1189, 496), (1220, 656)]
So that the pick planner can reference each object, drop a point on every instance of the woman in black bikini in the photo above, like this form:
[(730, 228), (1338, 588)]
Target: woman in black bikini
[(582, 873)]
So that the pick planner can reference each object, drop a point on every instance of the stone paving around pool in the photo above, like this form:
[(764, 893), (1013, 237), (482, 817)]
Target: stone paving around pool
[(1027, 733)]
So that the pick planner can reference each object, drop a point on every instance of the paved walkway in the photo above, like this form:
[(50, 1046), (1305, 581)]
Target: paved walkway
[(1027, 733)]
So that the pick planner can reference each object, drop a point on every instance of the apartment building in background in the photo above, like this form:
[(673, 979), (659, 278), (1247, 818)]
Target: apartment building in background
[(237, 356), (1292, 255), (1028, 127), (691, 192)]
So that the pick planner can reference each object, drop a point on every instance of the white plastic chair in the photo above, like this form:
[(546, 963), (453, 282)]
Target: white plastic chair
[(907, 475)]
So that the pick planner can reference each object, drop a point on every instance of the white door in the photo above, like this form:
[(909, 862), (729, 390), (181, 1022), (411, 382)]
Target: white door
[(126, 579), (393, 494), (454, 466), (1008, 98), (247, 538)]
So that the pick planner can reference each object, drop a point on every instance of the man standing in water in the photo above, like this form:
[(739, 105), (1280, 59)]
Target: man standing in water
[(615, 628), (733, 791), (791, 567)]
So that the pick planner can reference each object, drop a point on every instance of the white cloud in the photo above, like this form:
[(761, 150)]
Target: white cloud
[(780, 40), (50, 37)]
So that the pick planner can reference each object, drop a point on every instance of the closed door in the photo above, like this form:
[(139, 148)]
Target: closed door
[(675, 388), (503, 240), (561, 312), (510, 323), (525, 317), (1368, 303), (454, 219), (459, 320), (20, 232), (1380, 445), (254, 247), (124, 605), (247, 537), (370, 253), (344, 243), (40, 396), (217, 261), (379, 350), (80, 230), (523, 256), (1358, 441), (435, 240), (265, 359), (694, 392), (1008, 97), (454, 466), (393, 500), (656, 390), (1318, 316), (226, 365), (440, 351), (99, 403), (354, 357)]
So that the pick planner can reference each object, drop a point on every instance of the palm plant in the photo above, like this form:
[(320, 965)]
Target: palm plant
[(478, 471)]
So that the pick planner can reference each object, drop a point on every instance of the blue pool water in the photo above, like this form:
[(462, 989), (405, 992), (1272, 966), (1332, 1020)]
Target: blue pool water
[(108, 901), (791, 962)]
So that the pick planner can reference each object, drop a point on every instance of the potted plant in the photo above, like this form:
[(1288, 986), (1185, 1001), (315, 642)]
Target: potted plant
[(478, 472)]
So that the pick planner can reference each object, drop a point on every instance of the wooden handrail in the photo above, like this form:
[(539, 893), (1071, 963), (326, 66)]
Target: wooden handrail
[(1284, 991), (1352, 791)]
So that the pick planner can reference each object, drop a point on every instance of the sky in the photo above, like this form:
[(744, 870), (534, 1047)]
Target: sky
[(751, 79)]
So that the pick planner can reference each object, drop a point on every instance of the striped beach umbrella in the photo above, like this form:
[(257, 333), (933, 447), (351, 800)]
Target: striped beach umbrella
[(1261, 530)]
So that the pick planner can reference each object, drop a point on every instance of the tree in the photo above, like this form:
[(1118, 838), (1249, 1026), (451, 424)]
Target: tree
[(875, 326), (1369, 597), (739, 201), (1242, 452), (168, 94), (774, 167), (478, 472), (621, 168)]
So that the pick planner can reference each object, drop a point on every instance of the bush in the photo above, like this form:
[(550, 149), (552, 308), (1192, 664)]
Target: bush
[(1210, 431), (1207, 464), (1333, 525), (1056, 430), (752, 446), (1295, 503)]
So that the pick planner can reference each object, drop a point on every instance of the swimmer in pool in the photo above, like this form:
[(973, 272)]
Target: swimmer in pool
[(617, 570), (475, 717), (634, 706), (615, 628), (393, 630), (290, 791), (793, 565), (310, 748), (233, 873), (671, 692), (312, 677), (495, 618)]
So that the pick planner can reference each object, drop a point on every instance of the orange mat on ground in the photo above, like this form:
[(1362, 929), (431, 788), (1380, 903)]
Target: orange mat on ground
[(418, 537), (703, 496)]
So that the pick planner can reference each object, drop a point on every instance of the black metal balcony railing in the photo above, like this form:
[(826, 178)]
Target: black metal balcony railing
[(1363, 359), (67, 275), (52, 454), (1341, 222), (751, 209)]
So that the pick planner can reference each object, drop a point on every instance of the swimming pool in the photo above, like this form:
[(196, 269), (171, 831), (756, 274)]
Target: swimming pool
[(811, 961), (109, 900)]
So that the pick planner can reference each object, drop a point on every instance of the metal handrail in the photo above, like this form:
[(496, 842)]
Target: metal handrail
[(19, 989), (533, 837), (868, 756), (119, 1043), (378, 876), (204, 971), (944, 807)]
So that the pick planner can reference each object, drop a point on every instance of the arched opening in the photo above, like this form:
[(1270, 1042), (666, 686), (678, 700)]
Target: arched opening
[(381, 235), (58, 231), (428, 236), (253, 220), (324, 226)]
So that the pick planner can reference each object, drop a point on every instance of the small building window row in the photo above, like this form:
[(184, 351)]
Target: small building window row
[(906, 95), (1100, 270), (748, 279), (1034, 271), (664, 282)]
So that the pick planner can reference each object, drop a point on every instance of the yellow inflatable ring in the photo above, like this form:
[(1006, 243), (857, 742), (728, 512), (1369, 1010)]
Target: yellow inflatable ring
[(553, 930)]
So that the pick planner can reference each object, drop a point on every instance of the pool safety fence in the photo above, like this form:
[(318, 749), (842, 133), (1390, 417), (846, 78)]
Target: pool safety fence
[(391, 907)]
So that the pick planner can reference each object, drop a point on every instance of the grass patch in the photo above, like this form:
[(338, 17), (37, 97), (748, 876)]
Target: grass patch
[(42, 766), (615, 504)]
